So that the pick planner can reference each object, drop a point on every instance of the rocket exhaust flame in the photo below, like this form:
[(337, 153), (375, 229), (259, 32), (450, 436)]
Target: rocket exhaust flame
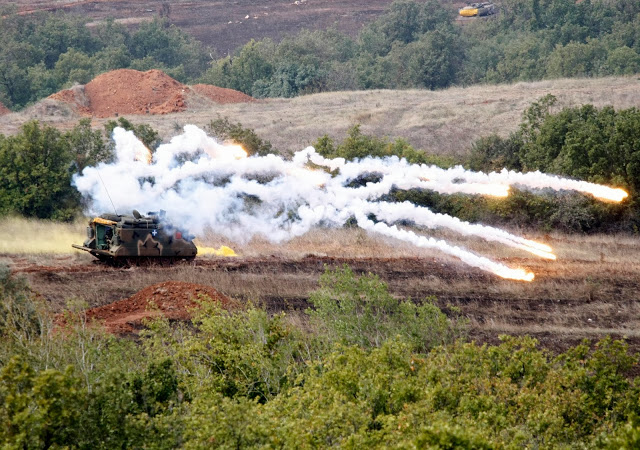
[(203, 183)]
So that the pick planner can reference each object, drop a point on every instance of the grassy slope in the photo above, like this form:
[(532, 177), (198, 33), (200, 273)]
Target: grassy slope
[(444, 122)]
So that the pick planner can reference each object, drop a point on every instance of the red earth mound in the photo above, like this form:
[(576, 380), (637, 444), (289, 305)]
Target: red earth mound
[(4, 110), (172, 299), (222, 95), (127, 91)]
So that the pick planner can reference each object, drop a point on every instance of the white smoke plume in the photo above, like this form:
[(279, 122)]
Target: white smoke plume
[(202, 183)]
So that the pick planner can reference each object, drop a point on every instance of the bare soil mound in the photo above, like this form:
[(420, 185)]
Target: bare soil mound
[(222, 95), (127, 91), (75, 97), (172, 299), (4, 110)]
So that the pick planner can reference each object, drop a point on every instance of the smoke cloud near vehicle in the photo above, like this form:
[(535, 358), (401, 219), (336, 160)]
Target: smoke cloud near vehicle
[(202, 183)]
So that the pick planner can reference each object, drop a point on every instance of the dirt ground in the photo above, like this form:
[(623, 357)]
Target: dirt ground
[(127, 91), (581, 297), (225, 25)]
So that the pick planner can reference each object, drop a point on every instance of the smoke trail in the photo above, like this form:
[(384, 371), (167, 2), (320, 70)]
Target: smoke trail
[(202, 183), (394, 212)]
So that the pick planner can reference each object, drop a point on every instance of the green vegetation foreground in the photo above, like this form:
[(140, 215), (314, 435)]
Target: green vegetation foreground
[(361, 369)]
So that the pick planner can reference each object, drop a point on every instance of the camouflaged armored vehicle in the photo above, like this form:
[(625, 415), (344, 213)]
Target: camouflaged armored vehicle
[(123, 239)]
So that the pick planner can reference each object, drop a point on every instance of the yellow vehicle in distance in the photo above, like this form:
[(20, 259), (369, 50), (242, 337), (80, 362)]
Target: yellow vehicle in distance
[(478, 10)]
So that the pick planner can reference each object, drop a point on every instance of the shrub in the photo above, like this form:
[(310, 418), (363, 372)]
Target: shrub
[(361, 311)]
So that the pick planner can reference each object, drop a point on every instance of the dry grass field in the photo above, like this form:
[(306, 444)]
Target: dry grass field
[(591, 291), (442, 122)]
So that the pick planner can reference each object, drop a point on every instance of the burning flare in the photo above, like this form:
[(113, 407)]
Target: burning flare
[(611, 194), (222, 251), (236, 151), (143, 154), (515, 274)]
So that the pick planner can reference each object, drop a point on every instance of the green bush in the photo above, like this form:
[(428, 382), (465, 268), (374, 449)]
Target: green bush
[(587, 143), (361, 311), (358, 145)]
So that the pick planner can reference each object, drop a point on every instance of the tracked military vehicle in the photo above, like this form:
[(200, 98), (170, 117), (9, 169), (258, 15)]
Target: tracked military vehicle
[(126, 239)]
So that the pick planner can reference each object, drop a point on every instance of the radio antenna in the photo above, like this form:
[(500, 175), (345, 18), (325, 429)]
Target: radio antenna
[(107, 191)]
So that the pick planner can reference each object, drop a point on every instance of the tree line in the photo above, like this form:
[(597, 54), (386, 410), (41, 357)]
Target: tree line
[(420, 45), (415, 44)]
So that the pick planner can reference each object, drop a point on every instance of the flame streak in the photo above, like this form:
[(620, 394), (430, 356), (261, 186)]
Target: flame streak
[(202, 183)]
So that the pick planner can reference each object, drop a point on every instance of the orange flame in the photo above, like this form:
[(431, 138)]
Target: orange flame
[(539, 249), (237, 151), (541, 253), (494, 190), (515, 274), (607, 193), (143, 154)]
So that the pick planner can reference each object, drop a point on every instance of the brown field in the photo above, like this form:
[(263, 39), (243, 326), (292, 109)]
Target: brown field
[(591, 291), (221, 24)]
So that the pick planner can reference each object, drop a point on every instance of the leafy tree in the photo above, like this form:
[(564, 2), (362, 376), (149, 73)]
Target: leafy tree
[(169, 46), (576, 60), (289, 80), (42, 82), (493, 153), (36, 168), (240, 72), (623, 61), (15, 57), (73, 66), (434, 60), (87, 146)]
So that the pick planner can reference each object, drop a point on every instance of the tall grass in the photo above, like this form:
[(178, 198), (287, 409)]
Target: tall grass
[(32, 236)]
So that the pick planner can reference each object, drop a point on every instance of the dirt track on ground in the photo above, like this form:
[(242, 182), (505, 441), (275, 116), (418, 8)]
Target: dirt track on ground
[(560, 308)]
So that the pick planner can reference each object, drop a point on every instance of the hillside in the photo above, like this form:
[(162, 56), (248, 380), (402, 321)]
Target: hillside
[(445, 121), (225, 25)]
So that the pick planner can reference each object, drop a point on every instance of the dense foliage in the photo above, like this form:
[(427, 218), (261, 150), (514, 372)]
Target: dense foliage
[(243, 378), (419, 45), (587, 143), (42, 53)]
